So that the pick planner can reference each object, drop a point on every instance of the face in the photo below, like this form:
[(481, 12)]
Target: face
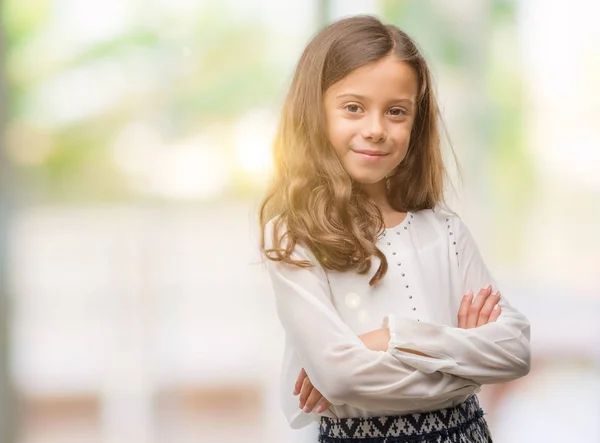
[(370, 114)]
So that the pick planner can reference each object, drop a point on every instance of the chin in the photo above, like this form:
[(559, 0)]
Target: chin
[(366, 179)]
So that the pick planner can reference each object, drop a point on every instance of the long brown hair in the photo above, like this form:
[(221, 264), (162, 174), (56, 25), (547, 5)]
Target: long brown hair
[(311, 195)]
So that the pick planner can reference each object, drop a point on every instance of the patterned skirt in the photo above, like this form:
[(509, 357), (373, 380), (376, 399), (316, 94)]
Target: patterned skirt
[(463, 423)]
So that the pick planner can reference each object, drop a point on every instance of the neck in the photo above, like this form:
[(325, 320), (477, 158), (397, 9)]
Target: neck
[(378, 193)]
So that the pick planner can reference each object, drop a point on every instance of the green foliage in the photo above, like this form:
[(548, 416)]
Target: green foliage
[(210, 70)]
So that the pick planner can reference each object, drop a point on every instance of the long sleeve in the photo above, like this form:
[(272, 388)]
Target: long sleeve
[(335, 359), (493, 353)]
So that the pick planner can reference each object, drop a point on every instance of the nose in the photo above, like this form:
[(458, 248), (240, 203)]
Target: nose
[(374, 129)]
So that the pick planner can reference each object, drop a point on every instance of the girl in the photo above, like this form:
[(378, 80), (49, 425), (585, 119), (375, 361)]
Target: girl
[(392, 320)]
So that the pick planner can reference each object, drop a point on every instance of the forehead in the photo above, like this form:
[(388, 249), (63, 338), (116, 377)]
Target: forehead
[(387, 77)]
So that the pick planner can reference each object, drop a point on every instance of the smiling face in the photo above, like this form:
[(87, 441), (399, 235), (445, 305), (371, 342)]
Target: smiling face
[(370, 114)]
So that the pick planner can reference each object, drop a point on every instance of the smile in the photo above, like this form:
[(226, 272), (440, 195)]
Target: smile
[(370, 155)]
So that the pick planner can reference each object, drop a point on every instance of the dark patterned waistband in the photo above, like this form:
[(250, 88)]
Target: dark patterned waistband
[(466, 417)]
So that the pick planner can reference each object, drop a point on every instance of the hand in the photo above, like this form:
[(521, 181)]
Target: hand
[(377, 340), (480, 311), (309, 395)]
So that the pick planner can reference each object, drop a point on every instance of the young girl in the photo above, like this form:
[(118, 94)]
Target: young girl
[(392, 320)]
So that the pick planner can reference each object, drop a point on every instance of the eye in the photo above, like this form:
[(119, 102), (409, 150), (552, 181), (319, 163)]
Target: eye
[(397, 112), (353, 108)]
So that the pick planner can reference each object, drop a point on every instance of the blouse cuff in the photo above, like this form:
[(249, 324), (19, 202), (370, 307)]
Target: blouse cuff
[(435, 362)]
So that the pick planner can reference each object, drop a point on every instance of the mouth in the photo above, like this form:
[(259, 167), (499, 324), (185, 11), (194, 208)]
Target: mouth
[(370, 155)]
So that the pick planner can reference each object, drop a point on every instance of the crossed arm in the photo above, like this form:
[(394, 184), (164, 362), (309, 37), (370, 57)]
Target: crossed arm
[(473, 312), (489, 346)]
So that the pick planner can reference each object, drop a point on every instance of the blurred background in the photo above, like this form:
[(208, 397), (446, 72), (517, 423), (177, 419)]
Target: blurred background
[(135, 150)]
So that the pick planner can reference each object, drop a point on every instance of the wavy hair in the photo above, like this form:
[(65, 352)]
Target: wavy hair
[(311, 194)]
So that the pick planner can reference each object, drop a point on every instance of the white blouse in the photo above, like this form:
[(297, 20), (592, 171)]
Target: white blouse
[(433, 261)]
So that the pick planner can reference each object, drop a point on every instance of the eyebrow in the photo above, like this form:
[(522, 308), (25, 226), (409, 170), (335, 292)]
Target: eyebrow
[(363, 98)]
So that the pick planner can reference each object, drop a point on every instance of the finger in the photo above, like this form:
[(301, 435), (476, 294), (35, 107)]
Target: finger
[(495, 313), (322, 405), (314, 398), (305, 391), (486, 309), (476, 306), (299, 381), (463, 310)]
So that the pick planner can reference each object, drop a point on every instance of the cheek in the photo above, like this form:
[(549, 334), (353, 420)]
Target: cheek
[(339, 132), (401, 137)]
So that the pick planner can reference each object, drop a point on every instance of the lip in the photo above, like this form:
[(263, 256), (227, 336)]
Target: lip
[(369, 155), (368, 152)]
